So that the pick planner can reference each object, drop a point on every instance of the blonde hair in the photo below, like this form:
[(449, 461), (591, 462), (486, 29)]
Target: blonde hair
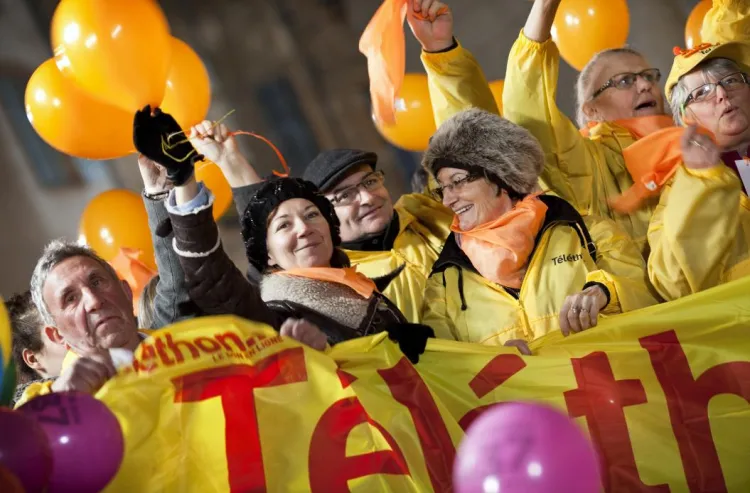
[(584, 82), (146, 304)]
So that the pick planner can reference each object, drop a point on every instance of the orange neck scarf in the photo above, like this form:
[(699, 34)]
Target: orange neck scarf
[(348, 276), (500, 249), (651, 160)]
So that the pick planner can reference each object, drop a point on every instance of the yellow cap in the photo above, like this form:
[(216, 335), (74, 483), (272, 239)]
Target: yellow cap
[(686, 60)]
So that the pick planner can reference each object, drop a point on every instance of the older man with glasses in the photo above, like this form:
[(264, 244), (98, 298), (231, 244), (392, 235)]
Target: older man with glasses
[(398, 242)]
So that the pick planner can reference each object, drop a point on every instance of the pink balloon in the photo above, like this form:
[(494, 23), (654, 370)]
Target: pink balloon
[(85, 439), (24, 452), (525, 447)]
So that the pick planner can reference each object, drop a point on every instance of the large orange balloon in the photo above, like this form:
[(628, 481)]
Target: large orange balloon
[(694, 24), (188, 92), (415, 122), (117, 219), (211, 175), (497, 90), (116, 50), (71, 121), (583, 28)]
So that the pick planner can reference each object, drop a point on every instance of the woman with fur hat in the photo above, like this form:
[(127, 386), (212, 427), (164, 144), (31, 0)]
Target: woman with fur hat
[(519, 264), (291, 235)]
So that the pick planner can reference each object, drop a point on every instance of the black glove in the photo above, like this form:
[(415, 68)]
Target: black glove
[(411, 338), (155, 137)]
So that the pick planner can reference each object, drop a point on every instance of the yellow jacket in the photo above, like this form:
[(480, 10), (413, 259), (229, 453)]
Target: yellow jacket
[(570, 252), (424, 224), (43, 388), (587, 172), (699, 236)]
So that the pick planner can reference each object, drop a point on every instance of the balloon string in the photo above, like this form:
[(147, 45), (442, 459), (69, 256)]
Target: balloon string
[(166, 146), (285, 173)]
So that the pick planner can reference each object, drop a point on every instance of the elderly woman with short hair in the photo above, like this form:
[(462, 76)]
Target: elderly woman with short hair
[(518, 264), (700, 232)]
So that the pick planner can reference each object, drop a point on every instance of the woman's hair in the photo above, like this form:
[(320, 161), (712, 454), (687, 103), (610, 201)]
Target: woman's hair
[(26, 325), (715, 67), (146, 304), (584, 82)]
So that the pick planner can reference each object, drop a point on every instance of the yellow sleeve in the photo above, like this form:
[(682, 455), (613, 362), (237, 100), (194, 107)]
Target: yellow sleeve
[(456, 83), (692, 231), (435, 309), (727, 21), (621, 267), (529, 100), (33, 390)]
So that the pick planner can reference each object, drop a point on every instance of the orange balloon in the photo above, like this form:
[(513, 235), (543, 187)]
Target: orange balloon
[(116, 50), (212, 176), (497, 90), (71, 121), (188, 92), (415, 122), (117, 219), (694, 24), (582, 28)]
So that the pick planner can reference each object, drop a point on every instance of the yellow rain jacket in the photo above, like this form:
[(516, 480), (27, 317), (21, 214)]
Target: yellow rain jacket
[(424, 225), (700, 232), (461, 305), (587, 172), (43, 388)]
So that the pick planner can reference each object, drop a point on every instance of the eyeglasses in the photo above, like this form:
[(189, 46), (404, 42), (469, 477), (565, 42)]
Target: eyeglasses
[(627, 79), (730, 83), (371, 182), (455, 185)]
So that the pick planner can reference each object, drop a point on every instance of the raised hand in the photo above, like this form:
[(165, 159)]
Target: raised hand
[(431, 21)]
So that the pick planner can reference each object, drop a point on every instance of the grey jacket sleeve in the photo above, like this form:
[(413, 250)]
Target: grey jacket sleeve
[(243, 195), (172, 302)]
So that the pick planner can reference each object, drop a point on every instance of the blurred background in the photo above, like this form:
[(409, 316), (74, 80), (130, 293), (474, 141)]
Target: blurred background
[(292, 72)]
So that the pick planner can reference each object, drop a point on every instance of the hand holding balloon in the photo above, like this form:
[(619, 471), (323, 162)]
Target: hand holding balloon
[(158, 136)]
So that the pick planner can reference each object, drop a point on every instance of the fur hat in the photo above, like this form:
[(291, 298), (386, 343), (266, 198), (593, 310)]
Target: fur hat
[(268, 196), (478, 140)]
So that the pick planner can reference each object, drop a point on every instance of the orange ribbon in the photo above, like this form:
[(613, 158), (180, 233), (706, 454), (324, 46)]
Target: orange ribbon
[(384, 45), (129, 268)]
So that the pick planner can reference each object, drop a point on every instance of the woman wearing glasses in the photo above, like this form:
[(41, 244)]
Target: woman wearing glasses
[(518, 264), (700, 232), (618, 103)]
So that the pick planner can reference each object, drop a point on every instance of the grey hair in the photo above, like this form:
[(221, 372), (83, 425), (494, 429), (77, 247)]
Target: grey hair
[(146, 315), (54, 253), (584, 82), (715, 67)]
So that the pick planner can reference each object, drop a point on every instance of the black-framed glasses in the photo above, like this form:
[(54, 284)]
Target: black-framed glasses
[(371, 181), (454, 185), (626, 80), (730, 83)]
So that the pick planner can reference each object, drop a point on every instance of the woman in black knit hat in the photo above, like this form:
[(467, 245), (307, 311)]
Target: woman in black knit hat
[(291, 235)]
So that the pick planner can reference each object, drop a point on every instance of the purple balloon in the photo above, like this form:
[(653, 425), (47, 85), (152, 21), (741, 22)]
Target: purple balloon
[(24, 450), (525, 447), (85, 439)]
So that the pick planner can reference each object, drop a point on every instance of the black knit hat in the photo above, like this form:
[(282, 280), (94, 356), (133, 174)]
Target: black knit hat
[(330, 166), (268, 196)]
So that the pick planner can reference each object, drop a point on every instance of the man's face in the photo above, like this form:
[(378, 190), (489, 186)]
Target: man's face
[(366, 208), (92, 310)]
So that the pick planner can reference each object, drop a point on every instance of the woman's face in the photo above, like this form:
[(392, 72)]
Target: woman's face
[(298, 236), (474, 201), (643, 98), (726, 112)]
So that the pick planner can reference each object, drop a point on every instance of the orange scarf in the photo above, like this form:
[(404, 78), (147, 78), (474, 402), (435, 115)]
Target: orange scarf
[(651, 160), (500, 249), (131, 269), (384, 45), (347, 276)]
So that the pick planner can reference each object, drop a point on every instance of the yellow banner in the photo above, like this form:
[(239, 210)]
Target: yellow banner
[(223, 404)]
